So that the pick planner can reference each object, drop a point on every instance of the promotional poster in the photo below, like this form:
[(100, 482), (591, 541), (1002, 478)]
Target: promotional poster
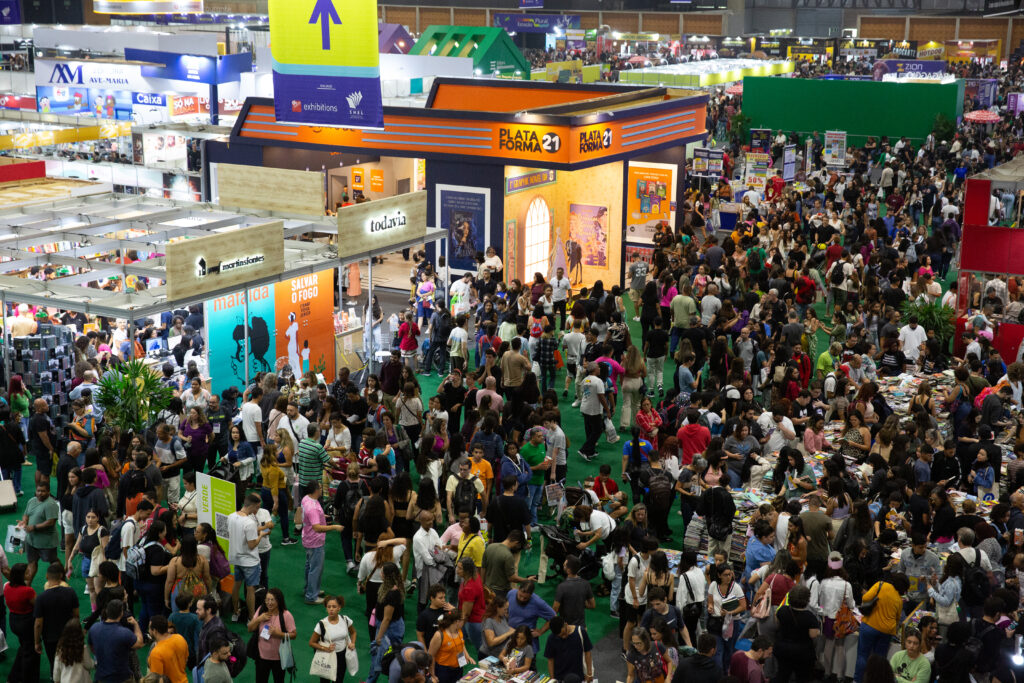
[(463, 215), (588, 228), (650, 199)]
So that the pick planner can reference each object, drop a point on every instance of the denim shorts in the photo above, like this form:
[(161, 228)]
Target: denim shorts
[(86, 564), (250, 576)]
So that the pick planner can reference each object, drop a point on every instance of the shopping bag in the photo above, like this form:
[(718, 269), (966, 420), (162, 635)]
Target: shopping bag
[(284, 650), (325, 665), (609, 430), (15, 539), (554, 493), (351, 662)]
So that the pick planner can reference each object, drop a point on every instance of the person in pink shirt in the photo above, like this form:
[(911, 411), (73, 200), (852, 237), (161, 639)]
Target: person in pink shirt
[(314, 536), (668, 291), (616, 371), (814, 436)]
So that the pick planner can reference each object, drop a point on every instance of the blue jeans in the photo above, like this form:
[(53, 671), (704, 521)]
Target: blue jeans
[(438, 350), (673, 341), (392, 638), (613, 599), (314, 569), (14, 475), (735, 480), (474, 633), (535, 493), (869, 642), (724, 646)]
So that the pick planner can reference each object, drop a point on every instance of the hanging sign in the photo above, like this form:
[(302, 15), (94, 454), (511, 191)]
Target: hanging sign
[(789, 163), (326, 71), (834, 153)]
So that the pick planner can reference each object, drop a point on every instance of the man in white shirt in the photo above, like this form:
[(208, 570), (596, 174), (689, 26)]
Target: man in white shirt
[(593, 406), (243, 540), (561, 290), (294, 424), (423, 542), (949, 298), (252, 419), (779, 428), (574, 343), (461, 291), (131, 530), (912, 335)]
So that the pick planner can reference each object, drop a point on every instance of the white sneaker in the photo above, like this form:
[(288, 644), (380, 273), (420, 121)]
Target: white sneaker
[(636, 318), (576, 403), (615, 440)]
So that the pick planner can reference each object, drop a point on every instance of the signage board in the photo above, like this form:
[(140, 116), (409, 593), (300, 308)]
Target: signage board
[(207, 264), (326, 71), (10, 12), (535, 23), (760, 140), (565, 72), (906, 67), (789, 163), (531, 4), (650, 199), (376, 225), (299, 192), (215, 502), (518, 183), (1015, 102), (147, 6), (708, 162), (834, 153), (755, 172)]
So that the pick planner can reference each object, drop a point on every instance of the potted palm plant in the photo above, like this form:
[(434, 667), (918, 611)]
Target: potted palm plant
[(131, 396)]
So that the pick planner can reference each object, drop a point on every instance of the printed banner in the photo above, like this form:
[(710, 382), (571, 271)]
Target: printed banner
[(518, 183), (708, 162), (216, 500), (907, 67), (532, 23), (761, 140), (1015, 102), (565, 72), (286, 322), (982, 90), (463, 214), (326, 71), (649, 201), (789, 163), (756, 170), (10, 12), (834, 153), (808, 156), (588, 233), (531, 4)]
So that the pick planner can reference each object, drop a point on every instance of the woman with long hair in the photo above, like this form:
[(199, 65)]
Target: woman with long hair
[(648, 421), (91, 537), (20, 599), (658, 574), (472, 602), (448, 648), (518, 654), (856, 440), (389, 616), (645, 658), (726, 603), (946, 591), (409, 408), (496, 631), (797, 476), (796, 544), (73, 662), (369, 576), (197, 433), (208, 548), (794, 644), (650, 308), (150, 584), (834, 591), (189, 572), (275, 624), (634, 372)]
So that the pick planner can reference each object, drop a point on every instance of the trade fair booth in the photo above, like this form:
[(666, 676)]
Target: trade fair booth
[(707, 73), (265, 281), (987, 251), (549, 175)]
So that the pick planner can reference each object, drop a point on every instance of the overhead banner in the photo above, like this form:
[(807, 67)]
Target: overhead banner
[(147, 6), (761, 140), (708, 162), (10, 12), (834, 153), (907, 67), (289, 322), (530, 23), (326, 71), (650, 199), (789, 163), (1015, 103)]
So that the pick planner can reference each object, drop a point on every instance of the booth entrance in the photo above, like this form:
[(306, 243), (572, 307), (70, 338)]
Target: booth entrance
[(548, 175)]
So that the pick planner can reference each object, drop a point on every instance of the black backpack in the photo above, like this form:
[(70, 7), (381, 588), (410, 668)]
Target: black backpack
[(659, 489), (346, 506), (113, 550), (465, 495), (977, 587), (838, 274)]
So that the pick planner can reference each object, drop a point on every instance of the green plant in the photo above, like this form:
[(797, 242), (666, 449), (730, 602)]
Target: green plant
[(944, 128), (933, 317), (131, 397), (739, 128)]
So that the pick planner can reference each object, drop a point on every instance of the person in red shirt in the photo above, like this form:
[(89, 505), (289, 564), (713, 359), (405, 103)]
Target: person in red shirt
[(805, 291), (472, 602), (693, 438), (407, 335), (774, 188), (834, 252)]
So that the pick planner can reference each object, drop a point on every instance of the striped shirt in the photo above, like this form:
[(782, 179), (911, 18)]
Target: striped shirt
[(311, 461)]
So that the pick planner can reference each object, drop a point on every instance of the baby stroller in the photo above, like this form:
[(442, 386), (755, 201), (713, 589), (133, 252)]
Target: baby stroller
[(558, 544)]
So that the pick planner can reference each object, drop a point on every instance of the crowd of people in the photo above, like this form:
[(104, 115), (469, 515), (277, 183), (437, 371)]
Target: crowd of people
[(887, 543)]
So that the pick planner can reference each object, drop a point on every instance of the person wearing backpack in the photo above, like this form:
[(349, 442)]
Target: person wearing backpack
[(882, 607), (838, 276), (112, 644), (977, 585), (462, 490), (146, 562), (346, 497), (123, 535)]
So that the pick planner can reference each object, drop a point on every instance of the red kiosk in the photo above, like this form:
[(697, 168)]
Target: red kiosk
[(985, 251)]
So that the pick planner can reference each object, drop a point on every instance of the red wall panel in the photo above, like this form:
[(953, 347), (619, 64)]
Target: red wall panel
[(22, 171)]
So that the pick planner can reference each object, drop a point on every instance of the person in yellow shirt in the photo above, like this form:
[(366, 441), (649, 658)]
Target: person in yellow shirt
[(169, 653), (471, 544), (878, 627)]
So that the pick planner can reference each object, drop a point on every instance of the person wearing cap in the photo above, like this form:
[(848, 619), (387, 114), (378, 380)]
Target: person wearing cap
[(919, 564)]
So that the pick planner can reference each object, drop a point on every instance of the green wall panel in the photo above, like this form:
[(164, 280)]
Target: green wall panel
[(861, 108)]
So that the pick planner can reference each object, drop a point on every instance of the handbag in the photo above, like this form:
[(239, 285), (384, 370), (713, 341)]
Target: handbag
[(694, 608), (763, 607), (868, 606), (715, 625), (351, 661), (324, 665), (845, 622), (284, 651)]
